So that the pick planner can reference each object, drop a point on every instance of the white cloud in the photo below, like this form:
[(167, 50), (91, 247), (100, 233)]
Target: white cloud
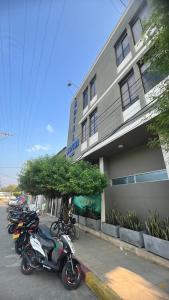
[(36, 148), (49, 128)]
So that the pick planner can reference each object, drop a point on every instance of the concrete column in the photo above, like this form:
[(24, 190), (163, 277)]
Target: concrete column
[(103, 198), (166, 158), (51, 207), (55, 207)]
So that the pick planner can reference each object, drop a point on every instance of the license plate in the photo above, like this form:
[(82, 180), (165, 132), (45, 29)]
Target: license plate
[(15, 236)]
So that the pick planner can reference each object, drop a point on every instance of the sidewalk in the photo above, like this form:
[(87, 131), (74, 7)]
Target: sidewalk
[(109, 268)]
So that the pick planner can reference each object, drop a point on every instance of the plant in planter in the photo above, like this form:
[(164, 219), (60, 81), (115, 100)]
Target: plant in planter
[(156, 238), (131, 229), (111, 227), (92, 219)]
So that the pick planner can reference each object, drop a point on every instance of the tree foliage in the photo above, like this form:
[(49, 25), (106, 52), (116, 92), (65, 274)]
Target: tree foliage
[(56, 176), (157, 32), (10, 188)]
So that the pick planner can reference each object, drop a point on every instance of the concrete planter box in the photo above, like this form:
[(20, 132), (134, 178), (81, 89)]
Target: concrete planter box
[(111, 229), (76, 217), (82, 220), (94, 224), (156, 245), (132, 237)]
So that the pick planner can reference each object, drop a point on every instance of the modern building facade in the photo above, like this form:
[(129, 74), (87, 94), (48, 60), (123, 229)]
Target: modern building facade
[(109, 117)]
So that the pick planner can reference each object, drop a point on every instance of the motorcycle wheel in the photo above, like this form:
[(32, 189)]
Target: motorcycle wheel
[(8, 216), (71, 281), (26, 269), (18, 246), (11, 228), (54, 229)]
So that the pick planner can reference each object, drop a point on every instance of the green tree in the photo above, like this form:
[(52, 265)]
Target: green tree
[(10, 188), (57, 176), (157, 32)]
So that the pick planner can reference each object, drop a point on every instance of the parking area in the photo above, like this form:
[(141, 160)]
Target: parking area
[(41, 285)]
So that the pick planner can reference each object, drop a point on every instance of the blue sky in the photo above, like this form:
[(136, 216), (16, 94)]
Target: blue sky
[(43, 45)]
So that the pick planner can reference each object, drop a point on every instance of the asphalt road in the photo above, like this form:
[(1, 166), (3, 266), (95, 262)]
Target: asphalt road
[(41, 285)]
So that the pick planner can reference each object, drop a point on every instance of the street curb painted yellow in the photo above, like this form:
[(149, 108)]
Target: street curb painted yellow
[(101, 290)]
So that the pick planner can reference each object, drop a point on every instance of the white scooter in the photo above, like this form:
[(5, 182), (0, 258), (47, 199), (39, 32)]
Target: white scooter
[(43, 251)]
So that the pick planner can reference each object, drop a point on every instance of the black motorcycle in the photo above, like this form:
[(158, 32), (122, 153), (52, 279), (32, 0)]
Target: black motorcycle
[(22, 233), (45, 252), (18, 217)]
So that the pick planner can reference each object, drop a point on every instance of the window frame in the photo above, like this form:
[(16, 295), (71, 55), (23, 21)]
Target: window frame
[(140, 65), (120, 42), (136, 18), (135, 176), (85, 103), (84, 136), (121, 83), (95, 130), (93, 82)]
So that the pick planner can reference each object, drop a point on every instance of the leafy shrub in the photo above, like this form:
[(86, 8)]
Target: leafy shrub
[(112, 217), (157, 227), (130, 221)]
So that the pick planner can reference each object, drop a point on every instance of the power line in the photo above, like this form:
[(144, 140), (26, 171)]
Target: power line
[(52, 51), (123, 3), (39, 63), (9, 47), (31, 68), (22, 73), (115, 7), (4, 79)]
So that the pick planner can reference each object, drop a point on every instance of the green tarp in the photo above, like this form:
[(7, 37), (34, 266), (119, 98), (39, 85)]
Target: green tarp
[(82, 204)]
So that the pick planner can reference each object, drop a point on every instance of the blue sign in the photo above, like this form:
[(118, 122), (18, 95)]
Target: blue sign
[(74, 119), (70, 150)]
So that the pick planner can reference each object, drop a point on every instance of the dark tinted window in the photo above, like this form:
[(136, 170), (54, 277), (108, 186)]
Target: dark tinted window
[(150, 79), (128, 90), (122, 48), (84, 131), (93, 87), (85, 98), (159, 175), (93, 123), (138, 22)]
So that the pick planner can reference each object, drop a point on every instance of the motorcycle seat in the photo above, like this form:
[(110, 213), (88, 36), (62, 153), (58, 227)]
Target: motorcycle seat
[(46, 243), (44, 233)]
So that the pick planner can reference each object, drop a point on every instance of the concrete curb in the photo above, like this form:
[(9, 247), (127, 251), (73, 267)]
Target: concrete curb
[(127, 247), (101, 290)]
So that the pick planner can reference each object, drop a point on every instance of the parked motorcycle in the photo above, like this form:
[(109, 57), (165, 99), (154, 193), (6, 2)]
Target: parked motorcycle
[(22, 232), (19, 217), (43, 251)]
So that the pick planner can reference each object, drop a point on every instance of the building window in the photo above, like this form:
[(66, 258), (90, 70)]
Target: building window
[(84, 131), (93, 87), (122, 48), (149, 78), (85, 98), (159, 175), (93, 123), (138, 22), (128, 90)]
